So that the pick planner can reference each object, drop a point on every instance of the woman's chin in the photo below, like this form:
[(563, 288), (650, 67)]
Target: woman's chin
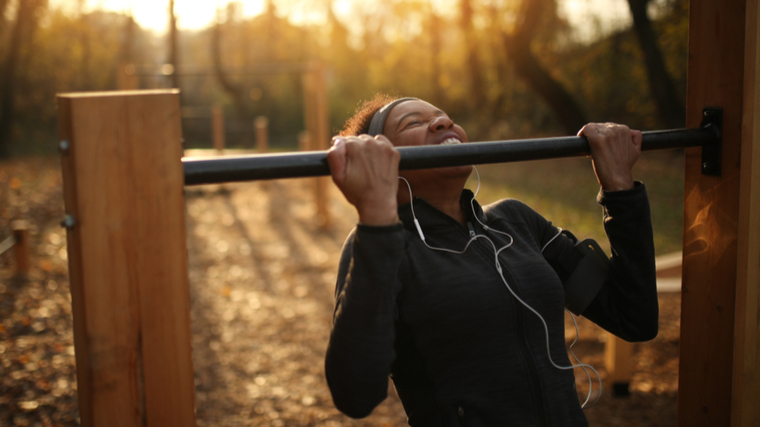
[(456, 171)]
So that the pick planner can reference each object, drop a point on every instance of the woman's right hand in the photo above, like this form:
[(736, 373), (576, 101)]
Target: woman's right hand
[(365, 169)]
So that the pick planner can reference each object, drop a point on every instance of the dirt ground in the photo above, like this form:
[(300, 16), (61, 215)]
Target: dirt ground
[(262, 275)]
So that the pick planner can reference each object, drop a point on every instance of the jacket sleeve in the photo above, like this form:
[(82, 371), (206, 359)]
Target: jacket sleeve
[(626, 304), (361, 347)]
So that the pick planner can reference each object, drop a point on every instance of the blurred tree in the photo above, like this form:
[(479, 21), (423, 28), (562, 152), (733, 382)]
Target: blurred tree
[(670, 107), (529, 68), (27, 15), (477, 89), (84, 43), (233, 90), (173, 45), (436, 39)]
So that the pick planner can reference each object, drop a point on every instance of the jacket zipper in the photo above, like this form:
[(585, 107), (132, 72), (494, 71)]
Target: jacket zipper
[(522, 343)]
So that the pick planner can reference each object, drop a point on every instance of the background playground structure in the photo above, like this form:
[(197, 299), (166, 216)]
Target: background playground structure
[(261, 278), (478, 63)]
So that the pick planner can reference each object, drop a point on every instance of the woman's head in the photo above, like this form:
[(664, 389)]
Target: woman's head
[(358, 124), (404, 121)]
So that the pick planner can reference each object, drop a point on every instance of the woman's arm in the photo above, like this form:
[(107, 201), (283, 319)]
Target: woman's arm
[(360, 351), (627, 305)]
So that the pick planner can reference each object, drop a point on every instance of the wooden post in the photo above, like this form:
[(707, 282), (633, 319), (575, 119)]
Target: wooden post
[(217, 127), (718, 379), (123, 186), (318, 126), (617, 360), (303, 141), (21, 247), (745, 410), (126, 78), (262, 134)]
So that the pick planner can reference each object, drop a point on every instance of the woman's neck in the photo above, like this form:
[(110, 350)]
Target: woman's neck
[(447, 202)]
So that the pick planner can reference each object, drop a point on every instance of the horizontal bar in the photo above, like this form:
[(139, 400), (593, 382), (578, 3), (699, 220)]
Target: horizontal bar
[(314, 163)]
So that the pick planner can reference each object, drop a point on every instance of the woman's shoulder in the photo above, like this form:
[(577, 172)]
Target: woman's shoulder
[(511, 210)]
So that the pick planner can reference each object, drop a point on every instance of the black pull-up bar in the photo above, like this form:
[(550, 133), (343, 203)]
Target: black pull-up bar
[(314, 163)]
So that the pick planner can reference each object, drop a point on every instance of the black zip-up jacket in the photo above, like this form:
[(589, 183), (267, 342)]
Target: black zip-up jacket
[(461, 350)]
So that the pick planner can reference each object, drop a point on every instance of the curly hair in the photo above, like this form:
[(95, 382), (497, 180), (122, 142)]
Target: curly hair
[(359, 122)]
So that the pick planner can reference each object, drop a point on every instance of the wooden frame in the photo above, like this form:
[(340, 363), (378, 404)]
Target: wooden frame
[(123, 185), (718, 383)]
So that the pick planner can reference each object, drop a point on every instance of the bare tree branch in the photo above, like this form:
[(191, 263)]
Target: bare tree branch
[(669, 106), (528, 67)]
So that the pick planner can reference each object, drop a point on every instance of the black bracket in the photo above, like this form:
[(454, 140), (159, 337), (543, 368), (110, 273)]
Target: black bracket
[(712, 118)]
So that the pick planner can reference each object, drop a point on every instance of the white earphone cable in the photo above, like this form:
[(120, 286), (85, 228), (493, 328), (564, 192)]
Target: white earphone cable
[(583, 366)]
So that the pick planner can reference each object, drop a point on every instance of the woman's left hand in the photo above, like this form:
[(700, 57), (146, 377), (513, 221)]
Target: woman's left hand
[(614, 150)]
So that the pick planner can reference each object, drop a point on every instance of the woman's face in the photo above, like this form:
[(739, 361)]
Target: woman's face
[(419, 123)]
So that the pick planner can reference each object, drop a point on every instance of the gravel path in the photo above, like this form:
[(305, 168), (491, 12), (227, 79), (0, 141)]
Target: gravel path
[(262, 276)]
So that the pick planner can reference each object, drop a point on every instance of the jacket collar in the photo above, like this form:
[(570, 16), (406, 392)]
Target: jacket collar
[(430, 217)]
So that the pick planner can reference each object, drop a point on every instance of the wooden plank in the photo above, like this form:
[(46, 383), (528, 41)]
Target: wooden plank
[(21, 248), (746, 388), (261, 124), (317, 124), (123, 184), (618, 362), (126, 78), (217, 124), (711, 207)]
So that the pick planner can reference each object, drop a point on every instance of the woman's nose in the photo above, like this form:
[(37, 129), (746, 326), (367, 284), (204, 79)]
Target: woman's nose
[(441, 123)]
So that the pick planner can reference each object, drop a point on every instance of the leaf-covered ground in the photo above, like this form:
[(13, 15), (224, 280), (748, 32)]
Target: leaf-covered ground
[(262, 275)]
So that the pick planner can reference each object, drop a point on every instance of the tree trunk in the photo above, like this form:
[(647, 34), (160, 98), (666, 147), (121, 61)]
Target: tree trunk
[(527, 66), (473, 60), (173, 45), (232, 90), (84, 80), (22, 31), (435, 57), (669, 106)]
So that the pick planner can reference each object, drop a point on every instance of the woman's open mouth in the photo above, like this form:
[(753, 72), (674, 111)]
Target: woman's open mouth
[(451, 141)]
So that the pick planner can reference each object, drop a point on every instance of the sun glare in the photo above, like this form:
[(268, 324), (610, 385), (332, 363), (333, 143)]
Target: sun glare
[(153, 14), (588, 17)]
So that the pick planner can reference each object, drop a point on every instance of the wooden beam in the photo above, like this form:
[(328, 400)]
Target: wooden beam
[(123, 186), (217, 127), (261, 123), (618, 362), (713, 227), (318, 126), (21, 248), (745, 409)]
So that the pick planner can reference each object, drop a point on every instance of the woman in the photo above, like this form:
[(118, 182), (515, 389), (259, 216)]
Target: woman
[(462, 306)]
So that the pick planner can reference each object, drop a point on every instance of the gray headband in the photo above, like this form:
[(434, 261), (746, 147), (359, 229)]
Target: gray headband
[(378, 120)]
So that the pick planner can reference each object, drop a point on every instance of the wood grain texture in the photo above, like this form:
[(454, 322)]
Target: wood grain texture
[(711, 207), (123, 183), (746, 388)]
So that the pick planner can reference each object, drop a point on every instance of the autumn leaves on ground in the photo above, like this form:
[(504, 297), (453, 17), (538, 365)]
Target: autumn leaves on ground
[(262, 276)]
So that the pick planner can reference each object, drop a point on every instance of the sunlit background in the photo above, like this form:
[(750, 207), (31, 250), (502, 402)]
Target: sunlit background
[(474, 66), (583, 15), (503, 69)]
